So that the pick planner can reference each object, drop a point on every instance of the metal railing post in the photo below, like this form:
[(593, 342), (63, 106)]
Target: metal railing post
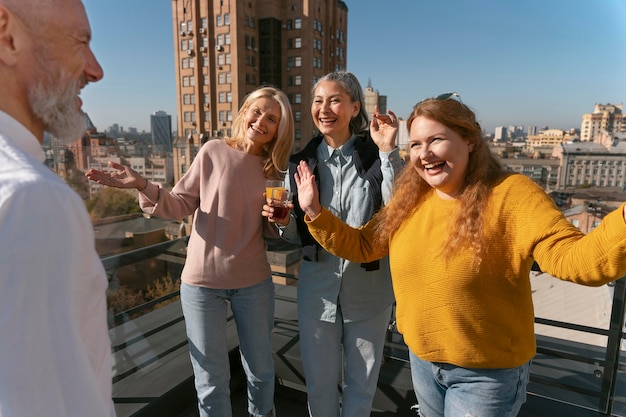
[(611, 363)]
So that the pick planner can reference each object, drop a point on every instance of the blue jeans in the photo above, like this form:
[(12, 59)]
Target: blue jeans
[(321, 346), (205, 311), (445, 390)]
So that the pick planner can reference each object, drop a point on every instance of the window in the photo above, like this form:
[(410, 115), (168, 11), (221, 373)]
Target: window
[(185, 63), (298, 61), (297, 43), (297, 80), (297, 116), (227, 39), (298, 23), (218, 20), (222, 97), (220, 39), (227, 18), (297, 98), (220, 59), (229, 97)]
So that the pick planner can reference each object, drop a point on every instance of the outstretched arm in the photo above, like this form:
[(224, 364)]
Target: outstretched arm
[(124, 177)]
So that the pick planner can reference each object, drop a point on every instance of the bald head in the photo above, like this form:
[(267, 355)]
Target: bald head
[(45, 61), (37, 15)]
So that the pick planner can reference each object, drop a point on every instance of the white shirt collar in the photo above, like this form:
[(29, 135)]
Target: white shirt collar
[(23, 138)]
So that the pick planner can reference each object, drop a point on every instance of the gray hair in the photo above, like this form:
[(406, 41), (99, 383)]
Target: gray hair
[(351, 85)]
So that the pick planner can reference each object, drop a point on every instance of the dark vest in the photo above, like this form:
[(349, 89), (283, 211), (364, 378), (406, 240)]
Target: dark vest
[(367, 163)]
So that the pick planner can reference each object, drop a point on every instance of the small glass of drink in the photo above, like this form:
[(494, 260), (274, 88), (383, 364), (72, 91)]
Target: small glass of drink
[(273, 185), (281, 201)]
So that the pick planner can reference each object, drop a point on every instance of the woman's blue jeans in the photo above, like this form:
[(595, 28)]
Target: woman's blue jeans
[(205, 311), (445, 390)]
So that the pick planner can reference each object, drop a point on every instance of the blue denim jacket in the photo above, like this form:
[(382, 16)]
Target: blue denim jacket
[(329, 281)]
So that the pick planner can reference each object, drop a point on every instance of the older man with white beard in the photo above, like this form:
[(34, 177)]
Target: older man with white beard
[(55, 356)]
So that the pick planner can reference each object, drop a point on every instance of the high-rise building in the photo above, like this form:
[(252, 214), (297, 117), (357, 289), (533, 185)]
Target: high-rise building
[(225, 49), (605, 119), (161, 130), (500, 134)]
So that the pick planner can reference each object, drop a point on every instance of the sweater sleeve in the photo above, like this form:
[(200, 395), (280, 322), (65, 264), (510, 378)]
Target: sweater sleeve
[(593, 259), (355, 245), (565, 252), (184, 198)]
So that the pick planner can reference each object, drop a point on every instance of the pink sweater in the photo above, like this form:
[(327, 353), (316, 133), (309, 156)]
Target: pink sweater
[(224, 188)]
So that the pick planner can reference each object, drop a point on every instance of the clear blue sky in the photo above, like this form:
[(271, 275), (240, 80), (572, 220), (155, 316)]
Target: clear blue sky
[(530, 62)]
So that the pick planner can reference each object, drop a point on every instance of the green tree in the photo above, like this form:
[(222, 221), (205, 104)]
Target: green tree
[(111, 202)]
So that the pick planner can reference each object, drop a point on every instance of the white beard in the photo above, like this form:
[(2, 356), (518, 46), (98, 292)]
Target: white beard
[(53, 100)]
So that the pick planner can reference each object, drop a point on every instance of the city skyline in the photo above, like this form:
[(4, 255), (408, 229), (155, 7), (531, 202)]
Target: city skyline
[(514, 64)]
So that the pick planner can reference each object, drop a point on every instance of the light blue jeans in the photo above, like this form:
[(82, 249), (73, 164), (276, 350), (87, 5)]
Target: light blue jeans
[(205, 312), (321, 346), (445, 390)]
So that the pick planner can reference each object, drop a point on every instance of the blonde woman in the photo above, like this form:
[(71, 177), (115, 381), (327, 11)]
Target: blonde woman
[(226, 255)]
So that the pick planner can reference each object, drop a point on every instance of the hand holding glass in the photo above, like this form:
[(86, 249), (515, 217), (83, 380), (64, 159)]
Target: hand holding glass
[(281, 202)]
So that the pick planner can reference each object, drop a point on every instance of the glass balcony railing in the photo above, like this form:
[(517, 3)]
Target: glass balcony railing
[(578, 366)]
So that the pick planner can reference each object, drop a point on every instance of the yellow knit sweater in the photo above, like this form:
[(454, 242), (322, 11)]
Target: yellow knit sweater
[(481, 317)]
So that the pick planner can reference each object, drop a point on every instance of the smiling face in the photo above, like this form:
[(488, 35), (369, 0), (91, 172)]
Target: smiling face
[(332, 109), (50, 61), (439, 155), (261, 120)]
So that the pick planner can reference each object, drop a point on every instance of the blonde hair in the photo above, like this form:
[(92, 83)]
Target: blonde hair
[(278, 150), (483, 171)]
